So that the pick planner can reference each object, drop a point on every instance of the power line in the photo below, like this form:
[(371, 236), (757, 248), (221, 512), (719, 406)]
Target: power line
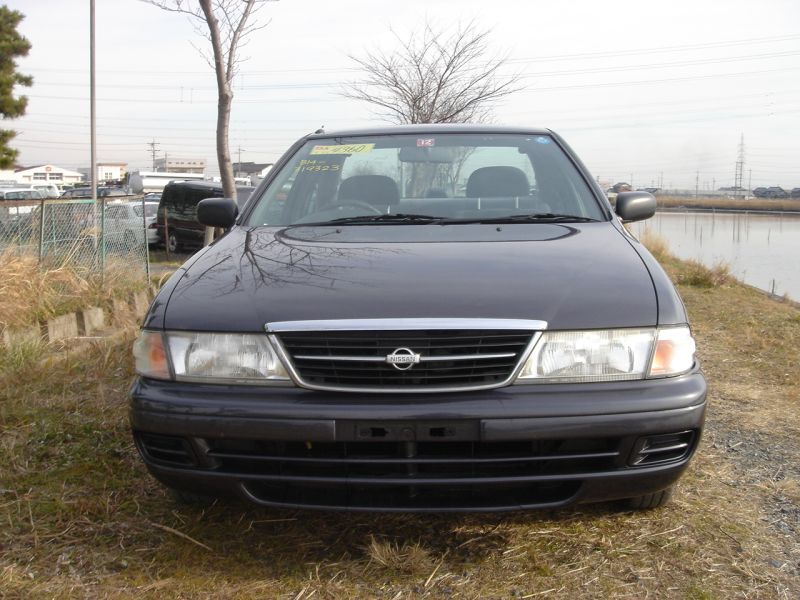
[(556, 57)]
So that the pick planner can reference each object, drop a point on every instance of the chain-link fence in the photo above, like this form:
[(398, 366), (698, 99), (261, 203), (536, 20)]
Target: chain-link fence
[(82, 232)]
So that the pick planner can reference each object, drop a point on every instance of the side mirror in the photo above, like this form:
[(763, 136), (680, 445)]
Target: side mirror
[(217, 212), (635, 206)]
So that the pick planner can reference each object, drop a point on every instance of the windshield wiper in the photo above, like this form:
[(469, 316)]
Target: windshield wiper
[(393, 219), (530, 218)]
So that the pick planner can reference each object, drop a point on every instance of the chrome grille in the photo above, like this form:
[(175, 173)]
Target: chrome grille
[(441, 358)]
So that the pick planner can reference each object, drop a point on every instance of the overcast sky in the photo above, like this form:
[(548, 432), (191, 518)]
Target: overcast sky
[(639, 89)]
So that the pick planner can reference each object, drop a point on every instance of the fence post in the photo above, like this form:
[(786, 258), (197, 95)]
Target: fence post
[(41, 231), (103, 236), (146, 245), (166, 232)]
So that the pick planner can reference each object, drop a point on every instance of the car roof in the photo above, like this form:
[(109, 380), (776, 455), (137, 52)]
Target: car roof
[(433, 128), (200, 185)]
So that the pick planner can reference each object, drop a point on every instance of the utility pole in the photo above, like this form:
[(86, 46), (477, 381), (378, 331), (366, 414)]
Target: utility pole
[(153, 150), (749, 181), (739, 172), (661, 180), (239, 164), (697, 185)]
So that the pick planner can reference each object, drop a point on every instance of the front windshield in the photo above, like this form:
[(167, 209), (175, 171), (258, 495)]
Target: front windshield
[(450, 177)]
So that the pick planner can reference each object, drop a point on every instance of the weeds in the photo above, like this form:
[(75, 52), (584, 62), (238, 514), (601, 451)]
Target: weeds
[(656, 244), (30, 292), (403, 558), (698, 275)]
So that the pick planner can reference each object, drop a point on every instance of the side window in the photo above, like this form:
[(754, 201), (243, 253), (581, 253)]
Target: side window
[(193, 197), (175, 201)]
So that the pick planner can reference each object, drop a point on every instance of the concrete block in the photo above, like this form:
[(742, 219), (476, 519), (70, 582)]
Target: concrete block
[(140, 303), (121, 310), (62, 328), (91, 320), (25, 335)]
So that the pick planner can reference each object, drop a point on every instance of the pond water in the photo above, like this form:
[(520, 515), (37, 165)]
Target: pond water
[(762, 250)]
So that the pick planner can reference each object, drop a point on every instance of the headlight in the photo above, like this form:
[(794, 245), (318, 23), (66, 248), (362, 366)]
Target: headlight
[(608, 355), (214, 357)]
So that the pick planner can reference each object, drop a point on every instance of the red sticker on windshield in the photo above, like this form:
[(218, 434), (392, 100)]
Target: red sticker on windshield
[(426, 142)]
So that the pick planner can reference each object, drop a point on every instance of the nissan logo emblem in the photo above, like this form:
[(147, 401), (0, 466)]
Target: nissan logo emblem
[(403, 359)]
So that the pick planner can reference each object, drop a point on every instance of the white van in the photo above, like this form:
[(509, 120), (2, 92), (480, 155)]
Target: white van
[(50, 190)]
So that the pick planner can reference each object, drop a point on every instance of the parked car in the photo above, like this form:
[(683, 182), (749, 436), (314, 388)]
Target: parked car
[(20, 194), (180, 227), (102, 192), (151, 212), (125, 226), (361, 345)]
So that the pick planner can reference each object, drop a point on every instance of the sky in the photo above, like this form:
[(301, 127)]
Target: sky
[(656, 94)]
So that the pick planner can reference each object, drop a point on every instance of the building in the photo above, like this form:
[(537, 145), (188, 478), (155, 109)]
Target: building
[(168, 164), (107, 171), (154, 181), (250, 169), (40, 173)]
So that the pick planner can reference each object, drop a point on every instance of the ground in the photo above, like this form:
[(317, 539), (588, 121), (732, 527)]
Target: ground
[(82, 518)]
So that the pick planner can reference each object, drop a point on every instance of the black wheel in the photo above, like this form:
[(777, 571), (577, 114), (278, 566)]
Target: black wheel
[(172, 243), (649, 501)]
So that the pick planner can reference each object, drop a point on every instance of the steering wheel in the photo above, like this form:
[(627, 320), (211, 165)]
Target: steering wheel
[(359, 204)]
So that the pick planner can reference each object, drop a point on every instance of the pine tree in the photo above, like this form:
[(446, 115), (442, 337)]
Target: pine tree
[(12, 45)]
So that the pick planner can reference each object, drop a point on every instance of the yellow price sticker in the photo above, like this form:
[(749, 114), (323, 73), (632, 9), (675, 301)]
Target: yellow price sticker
[(343, 149)]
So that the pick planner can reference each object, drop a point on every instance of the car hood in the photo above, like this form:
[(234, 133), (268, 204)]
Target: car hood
[(572, 276)]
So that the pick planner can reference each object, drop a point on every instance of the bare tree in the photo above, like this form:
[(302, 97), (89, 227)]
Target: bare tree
[(434, 78), (227, 24)]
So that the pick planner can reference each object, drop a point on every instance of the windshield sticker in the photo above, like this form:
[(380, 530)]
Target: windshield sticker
[(318, 166), (542, 140), (426, 142), (343, 149)]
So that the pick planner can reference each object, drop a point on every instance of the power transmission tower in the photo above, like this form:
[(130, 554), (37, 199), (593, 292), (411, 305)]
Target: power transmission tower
[(738, 178), (153, 150)]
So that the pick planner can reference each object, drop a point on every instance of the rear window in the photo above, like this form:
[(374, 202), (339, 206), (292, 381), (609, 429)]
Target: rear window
[(458, 176)]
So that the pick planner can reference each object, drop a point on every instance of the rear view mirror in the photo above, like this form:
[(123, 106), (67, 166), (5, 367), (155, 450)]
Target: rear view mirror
[(217, 212), (635, 206)]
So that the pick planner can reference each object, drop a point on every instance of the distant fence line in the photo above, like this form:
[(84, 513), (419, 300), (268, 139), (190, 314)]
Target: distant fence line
[(82, 232)]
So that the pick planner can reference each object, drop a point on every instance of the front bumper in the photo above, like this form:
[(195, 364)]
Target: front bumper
[(526, 446)]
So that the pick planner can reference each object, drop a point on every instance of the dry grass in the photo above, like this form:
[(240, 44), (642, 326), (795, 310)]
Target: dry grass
[(81, 517), (656, 244), (688, 272), (29, 293), (729, 203), (697, 274)]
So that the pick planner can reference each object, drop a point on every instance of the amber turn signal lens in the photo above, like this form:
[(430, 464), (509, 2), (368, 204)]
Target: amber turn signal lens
[(151, 355), (674, 352)]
